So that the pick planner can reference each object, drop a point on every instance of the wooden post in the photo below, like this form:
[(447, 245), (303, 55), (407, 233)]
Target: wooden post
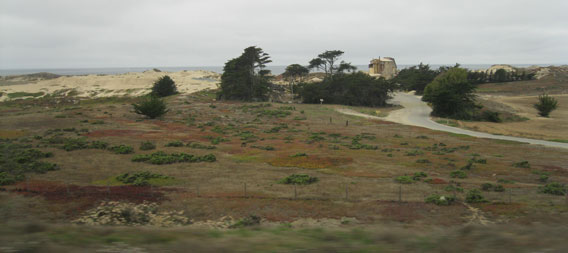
[(347, 123), (295, 192), (346, 191), (400, 193)]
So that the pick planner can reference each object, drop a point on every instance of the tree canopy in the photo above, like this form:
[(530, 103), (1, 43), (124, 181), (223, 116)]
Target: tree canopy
[(416, 77), (244, 77), (164, 87), (451, 94), (295, 72), (327, 60)]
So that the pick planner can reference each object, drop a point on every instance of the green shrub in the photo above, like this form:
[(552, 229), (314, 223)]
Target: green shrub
[(122, 149), (522, 164), (458, 174), (200, 146), (298, 179), (18, 159), (299, 155), (164, 158), (152, 107), (451, 188), (251, 220), (543, 178), (164, 87), (419, 175), (139, 178), (404, 180), (553, 189), (75, 144), (499, 188), (267, 148), (422, 161), (217, 140), (147, 145), (414, 152), (474, 196), (175, 144), (98, 145), (487, 187), (440, 200), (545, 105)]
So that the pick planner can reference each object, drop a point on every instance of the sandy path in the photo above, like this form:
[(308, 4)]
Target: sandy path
[(417, 113)]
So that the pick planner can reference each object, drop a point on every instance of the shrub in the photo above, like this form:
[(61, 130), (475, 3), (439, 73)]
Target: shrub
[(98, 145), (18, 159), (474, 196), (151, 107), (545, 105), (499, 188), (164, 87), (458, 174), (139, 178), (404, 180), (251, 220), (468, 166), (451, 188), (487, 187), (522, 164), (298, 179), (419, 175), (440, 200), (175, 144), (200, 146), (267, 148), (75, 144), (299, 155), (122, 149), (422, 161), (543, 178), (554, 189), (164, 158), (147, 145)]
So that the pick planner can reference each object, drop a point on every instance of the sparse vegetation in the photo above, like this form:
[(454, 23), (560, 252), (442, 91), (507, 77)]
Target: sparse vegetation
[(165, 158), (474, 196), (147, 145), (298, 179)]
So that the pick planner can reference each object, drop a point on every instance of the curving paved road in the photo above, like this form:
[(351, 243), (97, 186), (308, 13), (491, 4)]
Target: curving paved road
[(417, 113)]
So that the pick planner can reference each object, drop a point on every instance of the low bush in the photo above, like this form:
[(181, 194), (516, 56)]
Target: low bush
[(251, 220), (440, 200), (404, 180), (299, 155), (164, 158), (18, 159), (474, 196), (175, 144), (267, 148), (122, 149), (151, 107), (139, 178), (298, 179), (419, 175), (458, 174), (147, 145), (522, 164), (422, 161), (452, 188), (200, 146), (554, 189)]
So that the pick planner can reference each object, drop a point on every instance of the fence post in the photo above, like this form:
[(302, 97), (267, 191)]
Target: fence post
[(347, 123), (295, 192), (400, 193), (346, 191)]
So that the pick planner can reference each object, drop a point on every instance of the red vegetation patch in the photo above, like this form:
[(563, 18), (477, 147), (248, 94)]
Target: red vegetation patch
[(85, 197), (404, 211), (120, 133), (438, 181), (512, 209), (310, 162)]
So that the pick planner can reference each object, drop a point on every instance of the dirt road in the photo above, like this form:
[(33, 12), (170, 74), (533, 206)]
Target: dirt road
[(417, 113)]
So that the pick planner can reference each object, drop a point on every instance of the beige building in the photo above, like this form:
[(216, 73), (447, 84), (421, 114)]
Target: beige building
[(383, 67)]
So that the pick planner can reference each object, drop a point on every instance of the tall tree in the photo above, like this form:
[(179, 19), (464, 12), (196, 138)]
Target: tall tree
[(416, 77), (451, 94), (327, 60), (244, 77), (293, 73)]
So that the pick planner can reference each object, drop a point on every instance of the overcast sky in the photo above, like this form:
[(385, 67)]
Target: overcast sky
[(145, 33)]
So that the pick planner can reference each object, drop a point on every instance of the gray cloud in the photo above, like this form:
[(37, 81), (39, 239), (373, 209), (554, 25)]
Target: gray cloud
[(70, 33)]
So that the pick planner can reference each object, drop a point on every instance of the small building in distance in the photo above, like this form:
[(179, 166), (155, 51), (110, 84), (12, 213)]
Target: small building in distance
[(383, 67)]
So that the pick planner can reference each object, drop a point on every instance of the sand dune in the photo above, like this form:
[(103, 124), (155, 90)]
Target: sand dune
[(129, 84)]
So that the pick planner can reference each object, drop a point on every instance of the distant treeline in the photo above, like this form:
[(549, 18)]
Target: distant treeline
[(417, 77)]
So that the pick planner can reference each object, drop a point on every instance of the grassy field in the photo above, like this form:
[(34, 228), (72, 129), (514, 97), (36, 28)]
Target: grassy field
[(359, 165)]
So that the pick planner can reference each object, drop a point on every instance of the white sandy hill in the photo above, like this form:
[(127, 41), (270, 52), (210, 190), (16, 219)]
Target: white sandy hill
[(129, 84)]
